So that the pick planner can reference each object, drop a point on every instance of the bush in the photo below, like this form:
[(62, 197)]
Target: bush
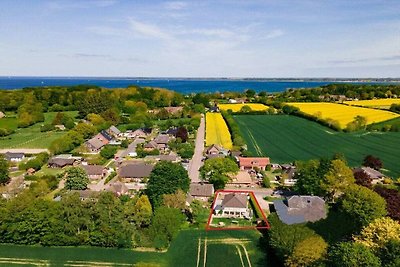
[(5, 132), (108, 151), (46, 127)]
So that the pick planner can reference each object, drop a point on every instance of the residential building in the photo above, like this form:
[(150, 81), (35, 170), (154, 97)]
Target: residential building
[(242, 178), (14, 156), (135, 172), (216, 151), (95, 172), (94, 144), (300, 209), (117, 188), (233, 205), (201, 191), (253, 163), (57, 162), (113, 131), (2, 115), (373, 174)]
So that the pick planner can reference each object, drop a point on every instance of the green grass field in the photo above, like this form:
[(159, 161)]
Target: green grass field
[(30, 137), (287, 138), (190, 248)]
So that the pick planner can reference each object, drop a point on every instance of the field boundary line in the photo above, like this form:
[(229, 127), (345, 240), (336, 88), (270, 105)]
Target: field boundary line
[(198, 253), (205, 252), (247, 254), (240, 255)]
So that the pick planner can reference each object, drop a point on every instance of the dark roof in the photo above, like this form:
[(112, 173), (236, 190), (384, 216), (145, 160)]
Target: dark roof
[(151, 144), (114, 129), (93, 169), (300, 209), (172, 131), (201, 190), (106, 135), (234, 200), (135, 170), (118, 188), (162, 139), (13, 155), (372, 173), (147, 130), (60, 162)]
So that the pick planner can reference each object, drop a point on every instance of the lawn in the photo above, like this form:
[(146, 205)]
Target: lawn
[(187, 249), (31, 137), (9, 123), (288, 138)]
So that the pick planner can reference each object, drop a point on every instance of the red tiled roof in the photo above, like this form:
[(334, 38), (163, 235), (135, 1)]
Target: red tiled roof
[(253, 162)]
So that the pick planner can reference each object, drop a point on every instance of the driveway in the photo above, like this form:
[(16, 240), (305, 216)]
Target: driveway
[(195, 163)]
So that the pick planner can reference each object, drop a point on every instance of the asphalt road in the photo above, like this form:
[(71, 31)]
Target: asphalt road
[(195, 163)]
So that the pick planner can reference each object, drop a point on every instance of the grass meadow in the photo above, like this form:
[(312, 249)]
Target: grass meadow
[(30, 137), (189, 248), (286, 138)]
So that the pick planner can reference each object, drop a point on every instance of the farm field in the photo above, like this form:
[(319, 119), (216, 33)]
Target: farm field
[(376, 103), (287, 138), (189, 248), (237, 107), (344, 114), (217, 131), (31, 137)]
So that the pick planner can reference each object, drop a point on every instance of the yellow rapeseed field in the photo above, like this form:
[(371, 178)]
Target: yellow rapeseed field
[(217, 131), (376, 103), (237, 107), (344, 114)]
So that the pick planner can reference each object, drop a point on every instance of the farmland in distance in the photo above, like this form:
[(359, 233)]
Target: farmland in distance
[(287, 138), (217, 131)]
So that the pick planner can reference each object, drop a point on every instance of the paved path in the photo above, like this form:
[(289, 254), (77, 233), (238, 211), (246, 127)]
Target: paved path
[(195, 163)]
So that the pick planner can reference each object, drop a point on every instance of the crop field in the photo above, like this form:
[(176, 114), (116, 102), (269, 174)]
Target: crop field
[(217, 131), (344, 114), (287, 138), (31, 137), (190, 248), (237, 107), (376, 103)]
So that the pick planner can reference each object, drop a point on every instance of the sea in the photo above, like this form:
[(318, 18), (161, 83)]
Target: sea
[(184, 86)]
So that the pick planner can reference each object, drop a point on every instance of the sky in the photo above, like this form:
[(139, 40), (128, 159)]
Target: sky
[(269, 38)]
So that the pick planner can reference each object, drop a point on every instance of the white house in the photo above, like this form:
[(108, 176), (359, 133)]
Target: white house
[(233, 205)]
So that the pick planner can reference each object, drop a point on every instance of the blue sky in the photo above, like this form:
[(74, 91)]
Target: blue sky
[(270, 38)]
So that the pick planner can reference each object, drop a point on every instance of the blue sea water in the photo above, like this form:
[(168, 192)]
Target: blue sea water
[(184, 86)]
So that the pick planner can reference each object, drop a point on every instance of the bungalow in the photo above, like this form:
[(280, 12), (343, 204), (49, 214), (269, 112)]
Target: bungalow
[(113, 131), (139, 133), (57, 162), (95, 172), (150, 146), (135, 172), (215, 151), (201, 191), (173, 110), (14, 156), (252, 163), (242, 178), (233, 205), (300, 209), (373, 174), (117, 188), (171, 157), (94, 144)]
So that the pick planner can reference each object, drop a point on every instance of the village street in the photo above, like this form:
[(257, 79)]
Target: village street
[(195, 163)]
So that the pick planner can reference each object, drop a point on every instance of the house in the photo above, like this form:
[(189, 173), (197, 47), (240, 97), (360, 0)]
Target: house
[(300, 209), (58, 162), (201, 191), (253, 163), (14, 156), (140, 133), (60, 127), (214, 109), (173, 110), (135, 171), (162, 139), (242, 178), (172, 131), (215, 151), (233, 205), (95, 172), (150, 146), (113, 131), (171, 157), (288, 174), (373, 174), (105, 137), (117, 188), (94, 144)]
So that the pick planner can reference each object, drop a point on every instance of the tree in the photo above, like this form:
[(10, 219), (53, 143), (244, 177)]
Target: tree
[(337, 179), (85, 129), (363, 179), (309, 178), (217, 171), (377, 233), (349, 254), (165, 225), (76, 179), (245, 109), (308, 252), (108, 151), (139, 212), (372, 162), (363, 204), (392, 197), (390, 254), (4, 174), (250, 93), (182, 133), (166, 178), (176, 200)]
